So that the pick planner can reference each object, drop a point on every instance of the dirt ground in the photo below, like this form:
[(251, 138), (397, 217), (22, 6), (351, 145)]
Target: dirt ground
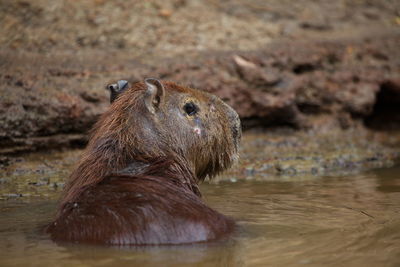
[(300, 64), (158, 29)]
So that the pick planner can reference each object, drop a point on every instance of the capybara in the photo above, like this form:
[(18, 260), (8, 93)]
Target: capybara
[(137, 181)]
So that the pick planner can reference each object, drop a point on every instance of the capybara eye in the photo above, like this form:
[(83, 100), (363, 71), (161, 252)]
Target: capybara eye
[(190, 108)]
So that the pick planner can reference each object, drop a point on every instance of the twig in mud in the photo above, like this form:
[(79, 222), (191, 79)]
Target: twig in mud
[(361, 211)]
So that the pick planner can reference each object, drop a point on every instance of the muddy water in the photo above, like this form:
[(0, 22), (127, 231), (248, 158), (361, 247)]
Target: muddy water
[(313, 221)]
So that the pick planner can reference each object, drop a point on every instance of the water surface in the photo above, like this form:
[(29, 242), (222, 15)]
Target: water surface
[(351, 220)]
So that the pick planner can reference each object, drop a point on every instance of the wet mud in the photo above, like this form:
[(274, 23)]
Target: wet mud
[(282, 154)]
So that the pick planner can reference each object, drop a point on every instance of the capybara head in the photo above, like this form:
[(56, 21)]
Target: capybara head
[(152, 120), (159, 118)]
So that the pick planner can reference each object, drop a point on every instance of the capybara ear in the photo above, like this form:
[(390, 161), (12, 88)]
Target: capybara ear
[(154, 96), (117, 88)]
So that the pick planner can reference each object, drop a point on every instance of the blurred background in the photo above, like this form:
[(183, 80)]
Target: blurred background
[(316, 84)]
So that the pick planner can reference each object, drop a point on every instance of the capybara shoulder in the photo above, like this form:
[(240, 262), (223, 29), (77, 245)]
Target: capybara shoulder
[(137, 182)]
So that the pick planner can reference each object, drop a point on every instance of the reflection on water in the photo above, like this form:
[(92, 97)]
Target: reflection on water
[(325, 221)]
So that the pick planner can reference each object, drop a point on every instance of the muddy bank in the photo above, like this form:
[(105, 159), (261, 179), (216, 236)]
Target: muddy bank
[(330, 72), (265, 155), (53, 101), (312, 64), (285, 154)]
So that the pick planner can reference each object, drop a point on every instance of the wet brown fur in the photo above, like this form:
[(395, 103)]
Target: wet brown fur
[(136, 182)]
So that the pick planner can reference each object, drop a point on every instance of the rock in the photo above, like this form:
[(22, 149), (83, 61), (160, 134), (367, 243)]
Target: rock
[(53, 101), (12, 195), (165, 13), (254, 74)]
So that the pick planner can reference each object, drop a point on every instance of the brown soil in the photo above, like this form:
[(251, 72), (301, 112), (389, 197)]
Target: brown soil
[(304, 64)]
